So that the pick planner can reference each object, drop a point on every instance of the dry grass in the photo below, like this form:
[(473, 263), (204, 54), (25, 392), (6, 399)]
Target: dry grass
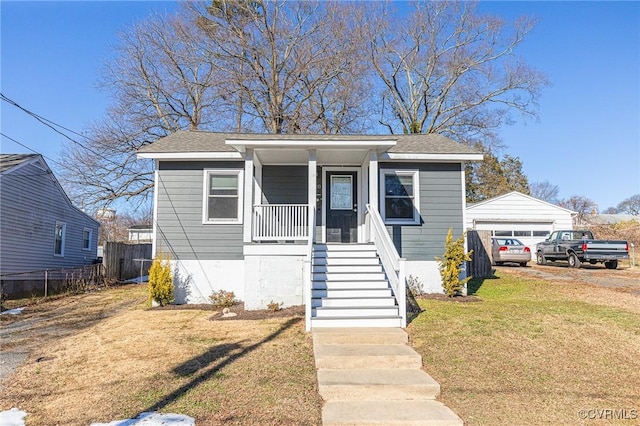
[(533, 352), (130, 359)]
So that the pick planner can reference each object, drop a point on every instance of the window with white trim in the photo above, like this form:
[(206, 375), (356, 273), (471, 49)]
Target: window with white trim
[(86, 238), (222, 196), (60, 235), (400, 197)]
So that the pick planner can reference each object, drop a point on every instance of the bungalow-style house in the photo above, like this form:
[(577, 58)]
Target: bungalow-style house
[(40, 229), (334, 222)]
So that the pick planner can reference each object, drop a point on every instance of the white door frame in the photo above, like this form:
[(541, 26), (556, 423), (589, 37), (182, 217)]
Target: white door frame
[(360, 199)]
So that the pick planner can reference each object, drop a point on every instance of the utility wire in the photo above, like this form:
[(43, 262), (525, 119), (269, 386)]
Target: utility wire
[(30, 149)]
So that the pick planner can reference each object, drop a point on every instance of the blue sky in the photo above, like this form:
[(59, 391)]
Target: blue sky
[(587, 140)]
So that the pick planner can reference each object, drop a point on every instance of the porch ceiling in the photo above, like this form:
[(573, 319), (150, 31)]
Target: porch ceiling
[(327, 156)]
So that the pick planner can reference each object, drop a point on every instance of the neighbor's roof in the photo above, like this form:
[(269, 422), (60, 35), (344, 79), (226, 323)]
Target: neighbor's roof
[(199, 141), (9, 161)]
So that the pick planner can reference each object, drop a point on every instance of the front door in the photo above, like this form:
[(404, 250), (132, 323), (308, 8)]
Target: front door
[(342, 207)]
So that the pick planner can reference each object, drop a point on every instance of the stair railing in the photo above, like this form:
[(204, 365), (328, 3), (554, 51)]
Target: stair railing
[(393, 264), (308, 268)]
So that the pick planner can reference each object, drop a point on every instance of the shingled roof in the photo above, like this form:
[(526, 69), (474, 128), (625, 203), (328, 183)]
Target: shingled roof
[(199, 141), (9, 161)]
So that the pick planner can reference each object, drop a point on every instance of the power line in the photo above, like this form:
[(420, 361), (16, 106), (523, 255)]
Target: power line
[(30, 149)]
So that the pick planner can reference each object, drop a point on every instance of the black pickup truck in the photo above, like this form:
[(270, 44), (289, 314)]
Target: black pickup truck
[(577, 247)]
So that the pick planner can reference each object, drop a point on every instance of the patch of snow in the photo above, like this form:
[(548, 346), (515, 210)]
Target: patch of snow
[(15, 311), (13, 417), (143, 279), (152, 419)]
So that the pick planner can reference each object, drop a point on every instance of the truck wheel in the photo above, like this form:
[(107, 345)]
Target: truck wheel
[(611, 264), (574, 262), (540, 259)]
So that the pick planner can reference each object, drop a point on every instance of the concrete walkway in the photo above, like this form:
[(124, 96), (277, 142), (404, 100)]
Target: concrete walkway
[(370, 376)]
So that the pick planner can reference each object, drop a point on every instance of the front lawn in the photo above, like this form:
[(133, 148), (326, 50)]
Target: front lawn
[(533, 352)]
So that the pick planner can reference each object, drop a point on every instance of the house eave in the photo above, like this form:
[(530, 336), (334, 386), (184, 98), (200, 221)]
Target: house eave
[(166, 156), (453, 158), (242, 145)]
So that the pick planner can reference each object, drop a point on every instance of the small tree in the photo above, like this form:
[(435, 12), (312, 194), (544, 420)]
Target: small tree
[(161, 281), (450, 264)]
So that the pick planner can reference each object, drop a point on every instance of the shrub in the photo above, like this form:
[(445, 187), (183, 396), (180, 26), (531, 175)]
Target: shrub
[(274, 306), (415, 286), (223, 299), (161, 281), (450, 264)]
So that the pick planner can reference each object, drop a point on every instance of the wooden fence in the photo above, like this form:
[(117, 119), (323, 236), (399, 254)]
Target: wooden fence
[(480, 243), (124, 261)]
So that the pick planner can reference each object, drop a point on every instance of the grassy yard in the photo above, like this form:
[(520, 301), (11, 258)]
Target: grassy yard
[(530, 352), (534, 352), (132, 359)]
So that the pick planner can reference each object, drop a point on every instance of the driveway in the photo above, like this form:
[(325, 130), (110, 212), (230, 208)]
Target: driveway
[(623, 279)]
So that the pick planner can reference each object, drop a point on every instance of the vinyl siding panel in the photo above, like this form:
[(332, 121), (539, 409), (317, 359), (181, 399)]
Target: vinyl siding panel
[(31, 202), (284, 184), (441, 208), (180, 230)]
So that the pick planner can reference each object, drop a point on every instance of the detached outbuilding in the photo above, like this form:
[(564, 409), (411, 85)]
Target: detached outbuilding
[(518, 215)]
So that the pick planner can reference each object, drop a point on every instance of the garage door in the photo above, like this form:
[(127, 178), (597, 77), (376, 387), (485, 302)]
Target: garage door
[(530, 233)]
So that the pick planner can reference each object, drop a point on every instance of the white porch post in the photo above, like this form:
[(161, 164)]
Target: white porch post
[(312, 191), (248, 194), (373, 180)]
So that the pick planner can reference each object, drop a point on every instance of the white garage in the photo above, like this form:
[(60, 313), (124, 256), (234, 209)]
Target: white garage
[(518, 215)]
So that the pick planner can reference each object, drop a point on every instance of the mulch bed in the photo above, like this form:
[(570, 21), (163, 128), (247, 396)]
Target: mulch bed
[(445, 298), (241, 313)]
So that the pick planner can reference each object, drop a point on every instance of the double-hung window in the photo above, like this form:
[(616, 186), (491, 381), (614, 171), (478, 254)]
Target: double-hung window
[(222, 196), (58, 246), (86, 239), (400, 200)]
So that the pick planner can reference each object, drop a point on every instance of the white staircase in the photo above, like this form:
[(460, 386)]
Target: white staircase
[(349, 288)]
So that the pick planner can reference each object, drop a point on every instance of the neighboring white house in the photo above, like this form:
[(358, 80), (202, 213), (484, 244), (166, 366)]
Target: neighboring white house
[(141, 234), (518, 215)]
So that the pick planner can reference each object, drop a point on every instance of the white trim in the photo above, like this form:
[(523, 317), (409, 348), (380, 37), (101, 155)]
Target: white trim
[(373, 181), (154, 232), (312, 182), (529, 197), (63, 238), (208, 155), (240, 145), (415, 175), (90, 238), (205, 197), (248, 198), (397, 156)]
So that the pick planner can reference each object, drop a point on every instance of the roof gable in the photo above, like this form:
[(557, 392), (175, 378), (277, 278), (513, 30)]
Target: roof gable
[(518, 195)]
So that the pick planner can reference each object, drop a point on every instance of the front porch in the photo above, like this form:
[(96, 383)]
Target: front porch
[(310, 198)]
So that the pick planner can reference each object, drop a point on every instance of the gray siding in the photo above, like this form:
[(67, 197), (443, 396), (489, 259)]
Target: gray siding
[(181, 232), (440, 208), (31, 202), (284, 184)]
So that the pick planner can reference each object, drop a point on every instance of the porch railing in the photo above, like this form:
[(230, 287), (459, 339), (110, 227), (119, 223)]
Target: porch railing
[(391, 261), (280, 222)]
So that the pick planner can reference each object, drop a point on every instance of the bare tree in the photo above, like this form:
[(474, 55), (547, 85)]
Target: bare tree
[(630, 205), (449, 70), (545, 191), (580, 204), (289, 67), (162, 80)]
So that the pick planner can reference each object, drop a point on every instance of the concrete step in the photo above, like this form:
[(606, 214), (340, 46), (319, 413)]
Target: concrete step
[(341, 322), (350, 356), (351, 292), (348, 276), (377, 385), (352, 284), (354, 311), (388, 413), (361, 335), (348, 268), (353, 302)]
